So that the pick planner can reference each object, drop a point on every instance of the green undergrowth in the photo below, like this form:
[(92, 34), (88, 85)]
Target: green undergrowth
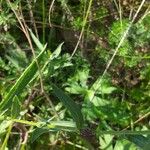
[(53, 96)]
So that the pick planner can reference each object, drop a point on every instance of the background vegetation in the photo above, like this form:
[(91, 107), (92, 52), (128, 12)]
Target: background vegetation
[(74, 74)]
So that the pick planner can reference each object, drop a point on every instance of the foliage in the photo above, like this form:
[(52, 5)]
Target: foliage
[(52, 99)]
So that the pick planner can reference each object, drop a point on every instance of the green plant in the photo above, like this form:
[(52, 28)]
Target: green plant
[(91, 94)]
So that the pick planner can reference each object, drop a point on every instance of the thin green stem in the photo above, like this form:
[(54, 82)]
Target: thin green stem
[(30, 123), (83, 27), (7, 137)]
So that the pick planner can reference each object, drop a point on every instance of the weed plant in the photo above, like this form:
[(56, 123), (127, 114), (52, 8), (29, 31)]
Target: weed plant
[(74, 74)]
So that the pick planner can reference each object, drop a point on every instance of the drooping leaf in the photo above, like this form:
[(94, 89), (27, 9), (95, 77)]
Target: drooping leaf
[(70, 105)]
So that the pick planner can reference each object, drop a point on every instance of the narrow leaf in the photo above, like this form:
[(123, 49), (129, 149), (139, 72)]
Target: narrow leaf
[(64, 125), (139, 140), (53, 127), (21, 83), (36, 41), (57, 52), (70, 105), (36, 133)]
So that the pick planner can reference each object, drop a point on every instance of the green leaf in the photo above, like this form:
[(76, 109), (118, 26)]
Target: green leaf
[(103, 86), (3, 125), (140, 141), (16, 107), (57, 52), (18, 58), (76, 89), (36, 41), (70, 105), (107, 90), (106, 142), (53, 127), (21, 83), (64, 125), (36, 133), (147, 146), (97, 101), (124, 145)]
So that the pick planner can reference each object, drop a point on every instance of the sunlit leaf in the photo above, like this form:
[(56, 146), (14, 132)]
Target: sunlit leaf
[(124, 145), (36, 41), (4, 125), (57, 52)]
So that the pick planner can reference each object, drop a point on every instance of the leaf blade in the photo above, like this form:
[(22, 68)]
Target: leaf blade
[(23, 80), (70, 105)]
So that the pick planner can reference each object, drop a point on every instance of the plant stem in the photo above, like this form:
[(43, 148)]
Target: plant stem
[(83, 27), (7, 137)]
